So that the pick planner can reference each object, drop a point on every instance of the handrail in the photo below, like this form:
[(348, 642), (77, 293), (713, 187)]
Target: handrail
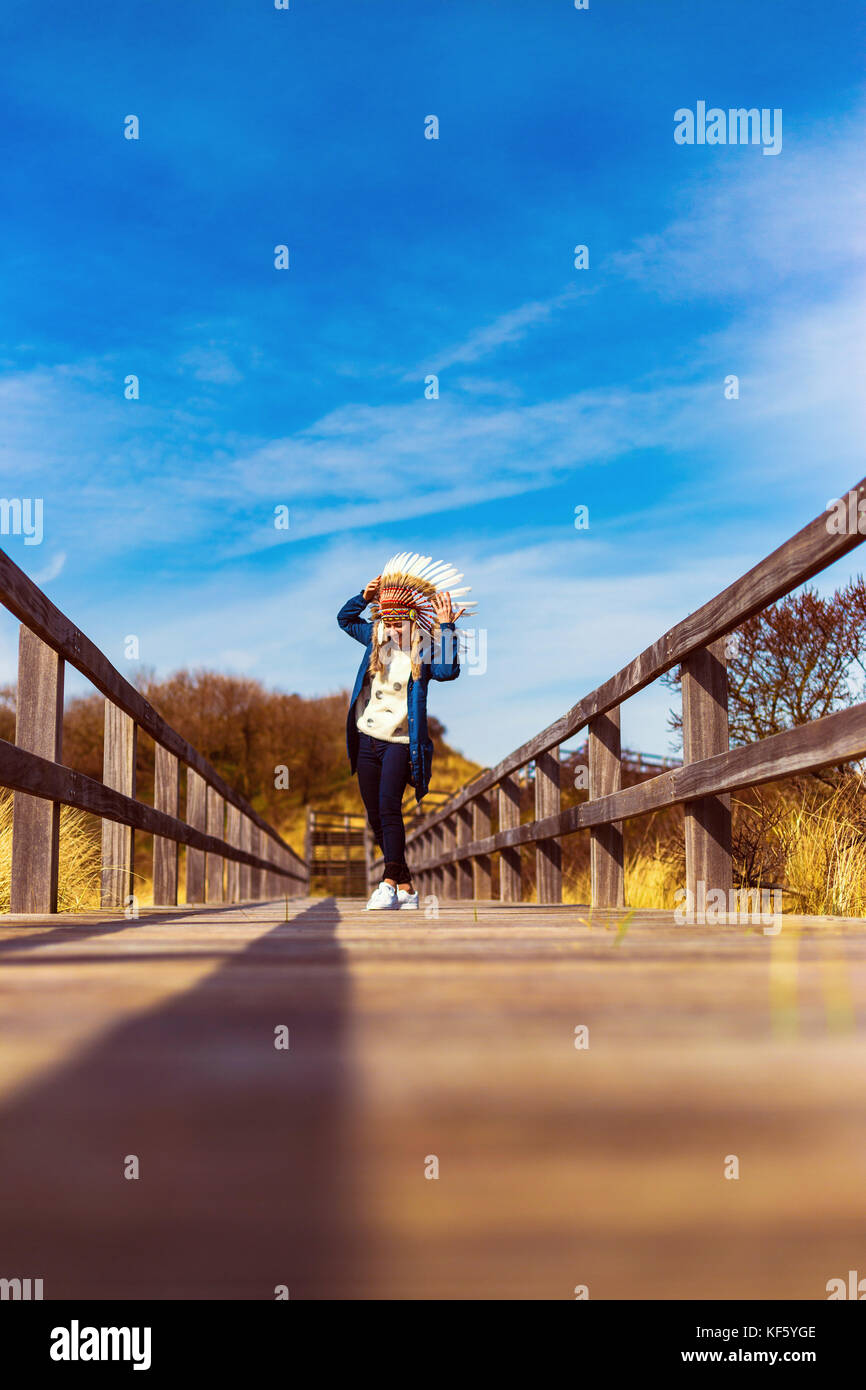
[(453, 844), (26, 772), (29, 605), (233, 853)]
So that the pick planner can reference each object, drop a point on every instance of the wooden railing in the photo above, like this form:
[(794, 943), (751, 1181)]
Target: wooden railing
[(337, 850), (450, 851), (232, 853)]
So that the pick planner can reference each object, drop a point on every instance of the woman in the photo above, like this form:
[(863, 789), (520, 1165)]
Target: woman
[(410, 641)]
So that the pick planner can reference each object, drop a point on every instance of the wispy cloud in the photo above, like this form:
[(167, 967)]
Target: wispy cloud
[(752, 227), (52, 569), (505, 330)]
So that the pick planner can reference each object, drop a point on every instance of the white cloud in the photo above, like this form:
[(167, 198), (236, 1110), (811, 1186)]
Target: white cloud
[(755, 225), (51, 570), (211, 364), (508, 328)]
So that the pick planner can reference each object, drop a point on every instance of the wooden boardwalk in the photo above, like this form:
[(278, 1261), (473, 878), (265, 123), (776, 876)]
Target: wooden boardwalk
[(411, 1037)]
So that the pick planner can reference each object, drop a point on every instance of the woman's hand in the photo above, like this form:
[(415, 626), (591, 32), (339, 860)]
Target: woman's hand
[(444, 609), (372, 589)]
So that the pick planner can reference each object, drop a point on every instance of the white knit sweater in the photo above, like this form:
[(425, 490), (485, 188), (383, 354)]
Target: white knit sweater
[(385, 715)]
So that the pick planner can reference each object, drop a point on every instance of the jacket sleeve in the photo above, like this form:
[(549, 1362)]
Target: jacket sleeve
[(350, 620), (449, 668)]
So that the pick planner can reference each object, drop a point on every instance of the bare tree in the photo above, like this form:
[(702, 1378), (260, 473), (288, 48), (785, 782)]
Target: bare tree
[(799, 659)]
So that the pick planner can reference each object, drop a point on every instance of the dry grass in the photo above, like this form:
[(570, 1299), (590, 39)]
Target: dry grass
[(78, 878), (824, 849), (651, 880)]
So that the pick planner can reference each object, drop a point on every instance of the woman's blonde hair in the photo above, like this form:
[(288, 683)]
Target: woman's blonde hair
[(376, 664)]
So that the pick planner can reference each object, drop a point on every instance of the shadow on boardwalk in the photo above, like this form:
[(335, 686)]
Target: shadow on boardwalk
[(245, 1158)]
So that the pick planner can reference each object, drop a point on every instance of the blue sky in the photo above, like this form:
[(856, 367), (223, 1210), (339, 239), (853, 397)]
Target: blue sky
[(409, 256)]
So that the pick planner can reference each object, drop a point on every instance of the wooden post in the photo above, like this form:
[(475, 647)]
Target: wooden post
[(347, 887), (36, 822), (548, 853), (415, 867), (605, 842), (421, 852), (705, 732), (244, 870), (368, 857), (509, 859), (233, 835), (295, 886), (166, 797), (464, 880), (118, 771), (310, 840), (448, 839), (214, 862), (196, 816), (437, 876), (257, 875), (480, 830), (279, 885), (269, 850)]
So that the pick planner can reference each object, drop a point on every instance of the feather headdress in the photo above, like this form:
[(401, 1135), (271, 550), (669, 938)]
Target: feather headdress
[(407, 587)]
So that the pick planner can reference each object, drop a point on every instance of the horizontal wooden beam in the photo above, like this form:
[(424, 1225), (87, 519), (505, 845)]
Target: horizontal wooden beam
[(26, 772), (837, 738), (809, 551), (26, 600)]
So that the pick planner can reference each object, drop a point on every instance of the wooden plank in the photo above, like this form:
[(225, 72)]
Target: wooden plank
[(481, 885), (548, 853), (605, 777), (811, 550), (233, 829), (118, 772), (705, 732), (36, 822), (166, 797), (463, 877), (509, 858), (196, 816), (22, 597), (214, 862)]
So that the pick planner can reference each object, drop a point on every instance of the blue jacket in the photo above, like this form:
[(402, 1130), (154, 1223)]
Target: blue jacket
[(420, 743)]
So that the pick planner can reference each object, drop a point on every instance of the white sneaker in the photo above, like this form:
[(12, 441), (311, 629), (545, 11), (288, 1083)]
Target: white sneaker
[(384, 895), (406, 899)]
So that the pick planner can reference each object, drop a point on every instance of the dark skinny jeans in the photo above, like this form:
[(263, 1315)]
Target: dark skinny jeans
[(383, 775)]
